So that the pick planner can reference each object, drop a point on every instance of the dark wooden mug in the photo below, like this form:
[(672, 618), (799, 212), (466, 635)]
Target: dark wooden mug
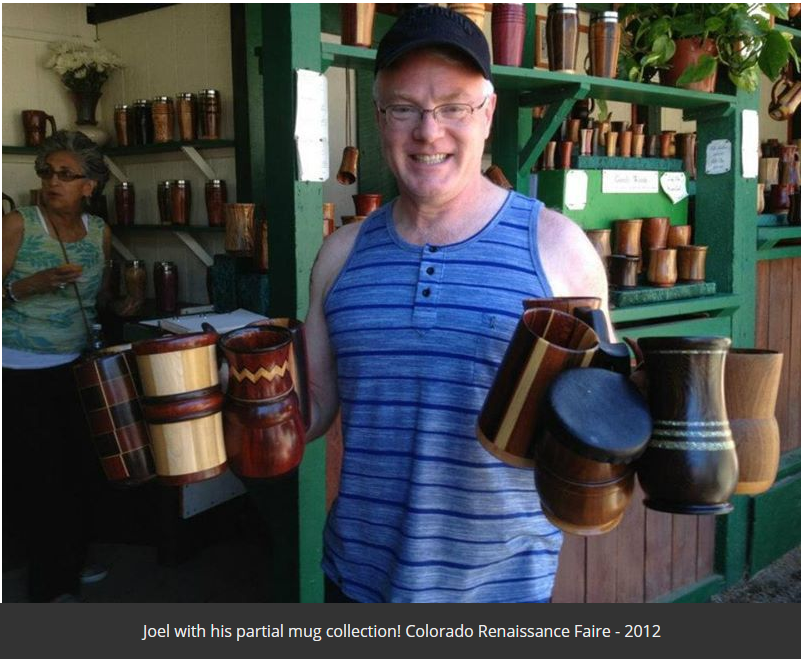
[(597, 424), (34, 123)]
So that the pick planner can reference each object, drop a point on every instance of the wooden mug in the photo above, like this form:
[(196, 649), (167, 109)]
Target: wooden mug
[(348, 167), (240, 228), (785, 97), (623, 271), (691, 263), (690, 464), (653, 236), (662, 267), (366, 203), (544, 343), (34, 123), (627, 237), (183, 406), (357, 23), (679, 235), (264, 431), (597, 425), (752, 386), (496, 175)]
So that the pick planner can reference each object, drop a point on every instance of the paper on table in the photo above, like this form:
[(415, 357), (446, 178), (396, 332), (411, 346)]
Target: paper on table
[(311, 125), (194, 322), (718, 157), (674, 185), (576, 190), (750, 144)]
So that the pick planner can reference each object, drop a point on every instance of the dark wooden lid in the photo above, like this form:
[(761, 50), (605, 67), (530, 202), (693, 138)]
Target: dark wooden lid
[(598, 414)]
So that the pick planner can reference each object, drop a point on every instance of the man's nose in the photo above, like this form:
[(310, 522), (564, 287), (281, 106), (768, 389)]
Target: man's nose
[(428, 128)]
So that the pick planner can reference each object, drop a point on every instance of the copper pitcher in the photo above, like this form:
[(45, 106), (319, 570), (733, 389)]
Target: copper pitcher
[(784, 98)]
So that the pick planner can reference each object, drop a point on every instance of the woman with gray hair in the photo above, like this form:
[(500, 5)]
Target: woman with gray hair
[(53, 261)]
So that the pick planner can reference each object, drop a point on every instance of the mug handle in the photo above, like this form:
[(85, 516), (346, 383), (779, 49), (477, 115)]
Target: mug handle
[(52, 121), (587, 66)]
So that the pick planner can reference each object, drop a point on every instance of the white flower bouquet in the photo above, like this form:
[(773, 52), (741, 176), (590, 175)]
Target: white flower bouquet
[(82, 67)]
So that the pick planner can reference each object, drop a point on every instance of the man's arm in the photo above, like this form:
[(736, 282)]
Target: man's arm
[(571, 264), (321, 363)]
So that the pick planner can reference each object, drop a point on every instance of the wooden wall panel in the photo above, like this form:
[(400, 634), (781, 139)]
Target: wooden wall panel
[(684, 551), (602, 566), (778, 327), (658, 546), (570, 586), (630, 586)]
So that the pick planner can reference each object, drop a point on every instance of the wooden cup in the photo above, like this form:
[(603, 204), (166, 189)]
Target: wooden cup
[(637, 145), (662, 267), (653, 236), (366, 203), (691, 263), (627, 237), (496, 175), (348, 167), (623, 271), (679, 235), (545, 343), (625, 144)]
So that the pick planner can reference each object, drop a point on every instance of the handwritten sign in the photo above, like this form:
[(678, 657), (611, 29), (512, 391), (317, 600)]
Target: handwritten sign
[(718, 157), (311, 125), (576, 190), (629, 181), (674, 185)]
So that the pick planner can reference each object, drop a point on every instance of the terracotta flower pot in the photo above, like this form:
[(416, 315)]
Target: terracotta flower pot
[(688, 52)]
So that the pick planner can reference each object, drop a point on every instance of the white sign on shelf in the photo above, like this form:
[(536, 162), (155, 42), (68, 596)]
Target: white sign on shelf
[(576, 190), (311, 125), (629, 181), (718, 157), (674, 185)]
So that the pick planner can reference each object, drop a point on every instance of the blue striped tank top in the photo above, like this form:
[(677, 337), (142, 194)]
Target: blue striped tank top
[(424, 512)]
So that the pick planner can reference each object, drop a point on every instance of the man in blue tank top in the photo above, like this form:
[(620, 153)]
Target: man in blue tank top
[(411, 313)]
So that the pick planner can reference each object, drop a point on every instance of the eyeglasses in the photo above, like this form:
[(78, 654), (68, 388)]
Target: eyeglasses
[(404, 115), (47, 173)]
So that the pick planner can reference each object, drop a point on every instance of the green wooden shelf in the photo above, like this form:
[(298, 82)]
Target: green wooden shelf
[(162, 147), (720, 304), (189, 229), (532, 82), (768, 237)]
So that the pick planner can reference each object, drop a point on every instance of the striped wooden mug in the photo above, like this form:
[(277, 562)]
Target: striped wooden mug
[(545, 343)]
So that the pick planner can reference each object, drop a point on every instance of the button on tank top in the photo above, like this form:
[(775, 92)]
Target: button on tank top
[(424, 512)]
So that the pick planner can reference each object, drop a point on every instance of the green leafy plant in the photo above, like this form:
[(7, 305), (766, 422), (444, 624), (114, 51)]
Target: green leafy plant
[(746, 41)]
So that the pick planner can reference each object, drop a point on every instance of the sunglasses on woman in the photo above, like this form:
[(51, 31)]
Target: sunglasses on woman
[(46, 173)]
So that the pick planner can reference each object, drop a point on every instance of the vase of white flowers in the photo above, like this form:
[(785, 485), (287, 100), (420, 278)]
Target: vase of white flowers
[(84, 68)]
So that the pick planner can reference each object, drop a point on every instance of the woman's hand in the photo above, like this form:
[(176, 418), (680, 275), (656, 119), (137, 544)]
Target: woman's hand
[(49, 280)]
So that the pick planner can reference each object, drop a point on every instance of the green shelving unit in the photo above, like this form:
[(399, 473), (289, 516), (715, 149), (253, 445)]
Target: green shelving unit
[(288, 37)]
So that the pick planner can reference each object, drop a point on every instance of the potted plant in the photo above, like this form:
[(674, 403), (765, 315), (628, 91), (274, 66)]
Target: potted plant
[(740, 36)]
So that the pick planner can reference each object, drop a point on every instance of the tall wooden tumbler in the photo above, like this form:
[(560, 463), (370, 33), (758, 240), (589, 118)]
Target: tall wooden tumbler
[(109, 391), (264, 434), (690, 465), (508, 33), (239, 229), (357, 23), (183, 406), (561, 34), (545, 343), (752, 386)]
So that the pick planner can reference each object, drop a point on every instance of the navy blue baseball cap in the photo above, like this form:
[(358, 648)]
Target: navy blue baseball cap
[(430, 25)]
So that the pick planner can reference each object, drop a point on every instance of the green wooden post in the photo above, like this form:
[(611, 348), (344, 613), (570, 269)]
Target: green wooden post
[(724, 212), (510, 132), (290, 41)]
